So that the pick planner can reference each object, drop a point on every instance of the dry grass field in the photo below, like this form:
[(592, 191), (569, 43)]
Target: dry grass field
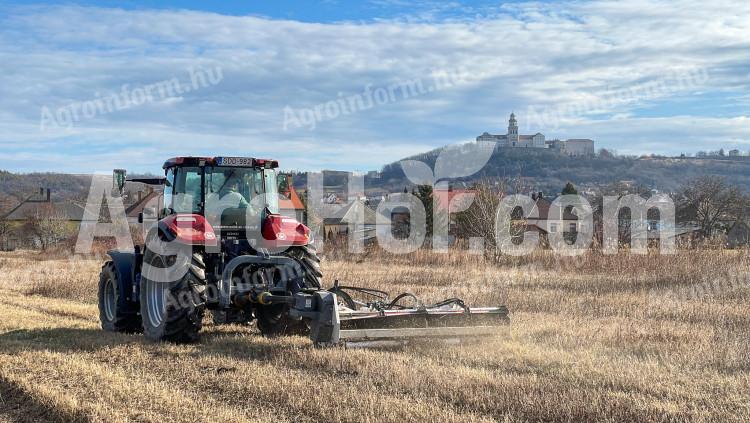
[(598, 338)]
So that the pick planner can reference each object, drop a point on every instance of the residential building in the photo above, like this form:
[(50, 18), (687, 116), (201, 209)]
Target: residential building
[(546, 220), (290, 203), (355, 216), (739, 235), (39, 206)]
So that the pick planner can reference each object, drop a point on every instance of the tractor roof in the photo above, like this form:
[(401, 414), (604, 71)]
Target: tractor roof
[(221, 161)]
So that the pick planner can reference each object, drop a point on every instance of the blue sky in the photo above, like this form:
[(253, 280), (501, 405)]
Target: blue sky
[(353, 85), (326, 11)]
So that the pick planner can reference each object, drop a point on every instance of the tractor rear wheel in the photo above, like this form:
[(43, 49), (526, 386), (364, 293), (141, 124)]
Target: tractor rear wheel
[(308, 258), (173, 310), (274, 320), (114, 316)]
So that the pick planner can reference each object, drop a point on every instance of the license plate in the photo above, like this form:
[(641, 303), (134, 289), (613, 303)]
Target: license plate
[(235, 161)]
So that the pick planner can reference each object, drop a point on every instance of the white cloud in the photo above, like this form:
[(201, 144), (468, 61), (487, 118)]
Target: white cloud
[(519, 55)]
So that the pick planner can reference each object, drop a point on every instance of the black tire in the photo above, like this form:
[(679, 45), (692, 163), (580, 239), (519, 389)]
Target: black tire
[(114, 317), (308, 258), (173, 311), (274, 320)]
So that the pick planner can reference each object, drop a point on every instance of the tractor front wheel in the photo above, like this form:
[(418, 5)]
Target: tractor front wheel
[(113, 314)]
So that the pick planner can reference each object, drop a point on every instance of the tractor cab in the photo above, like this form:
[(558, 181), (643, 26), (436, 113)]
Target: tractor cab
[(231, 202), (235, 195)]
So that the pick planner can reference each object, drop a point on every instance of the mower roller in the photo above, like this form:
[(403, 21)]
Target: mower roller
[(219, 244), (379, 317)]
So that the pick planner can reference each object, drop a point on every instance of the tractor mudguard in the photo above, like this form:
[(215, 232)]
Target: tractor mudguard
[(125, 264)]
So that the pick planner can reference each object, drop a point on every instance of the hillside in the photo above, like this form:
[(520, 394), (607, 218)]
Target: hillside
[(541, 170), (16, 187), (63, 186), (549, 171)]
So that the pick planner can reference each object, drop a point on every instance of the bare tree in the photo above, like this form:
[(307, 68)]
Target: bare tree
[(607, 154), (479, 219), (5, 230), (709, 200), (47, 226), (624, 221), (426, 195), (5, 224)]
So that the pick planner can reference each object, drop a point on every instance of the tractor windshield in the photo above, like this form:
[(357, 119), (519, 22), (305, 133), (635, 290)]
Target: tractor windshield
[(241, 187), (223, 188)]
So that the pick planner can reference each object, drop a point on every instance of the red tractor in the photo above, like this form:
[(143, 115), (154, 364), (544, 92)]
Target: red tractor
[(220, 244)]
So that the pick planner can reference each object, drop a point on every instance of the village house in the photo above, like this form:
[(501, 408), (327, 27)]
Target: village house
[(739, 235), (356, 217), (290, 203), (142, 198), (546, 222), (40, 206), (451, 201)]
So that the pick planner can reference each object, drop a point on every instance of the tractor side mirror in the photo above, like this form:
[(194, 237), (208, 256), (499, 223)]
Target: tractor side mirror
[(118, 180)]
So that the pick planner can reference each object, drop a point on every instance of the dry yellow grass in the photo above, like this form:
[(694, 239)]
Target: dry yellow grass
[(590, 339)]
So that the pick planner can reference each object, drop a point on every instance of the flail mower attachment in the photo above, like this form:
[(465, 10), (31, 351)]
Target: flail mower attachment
[(335, 317)]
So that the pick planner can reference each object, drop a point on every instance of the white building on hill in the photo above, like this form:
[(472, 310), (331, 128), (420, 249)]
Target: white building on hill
[(572, 147), (578, 147), (512, 138)]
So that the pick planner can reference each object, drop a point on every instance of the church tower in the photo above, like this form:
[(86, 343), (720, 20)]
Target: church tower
[(512, 130)]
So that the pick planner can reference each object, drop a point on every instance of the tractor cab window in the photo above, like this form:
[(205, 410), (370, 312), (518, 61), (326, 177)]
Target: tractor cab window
[(168, 189), (271, 190), (186, 192)]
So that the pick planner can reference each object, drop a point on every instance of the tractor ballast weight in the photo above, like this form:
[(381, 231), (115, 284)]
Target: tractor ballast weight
[(236, 277)]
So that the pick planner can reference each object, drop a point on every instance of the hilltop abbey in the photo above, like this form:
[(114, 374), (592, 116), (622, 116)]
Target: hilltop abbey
[(571, 147)]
